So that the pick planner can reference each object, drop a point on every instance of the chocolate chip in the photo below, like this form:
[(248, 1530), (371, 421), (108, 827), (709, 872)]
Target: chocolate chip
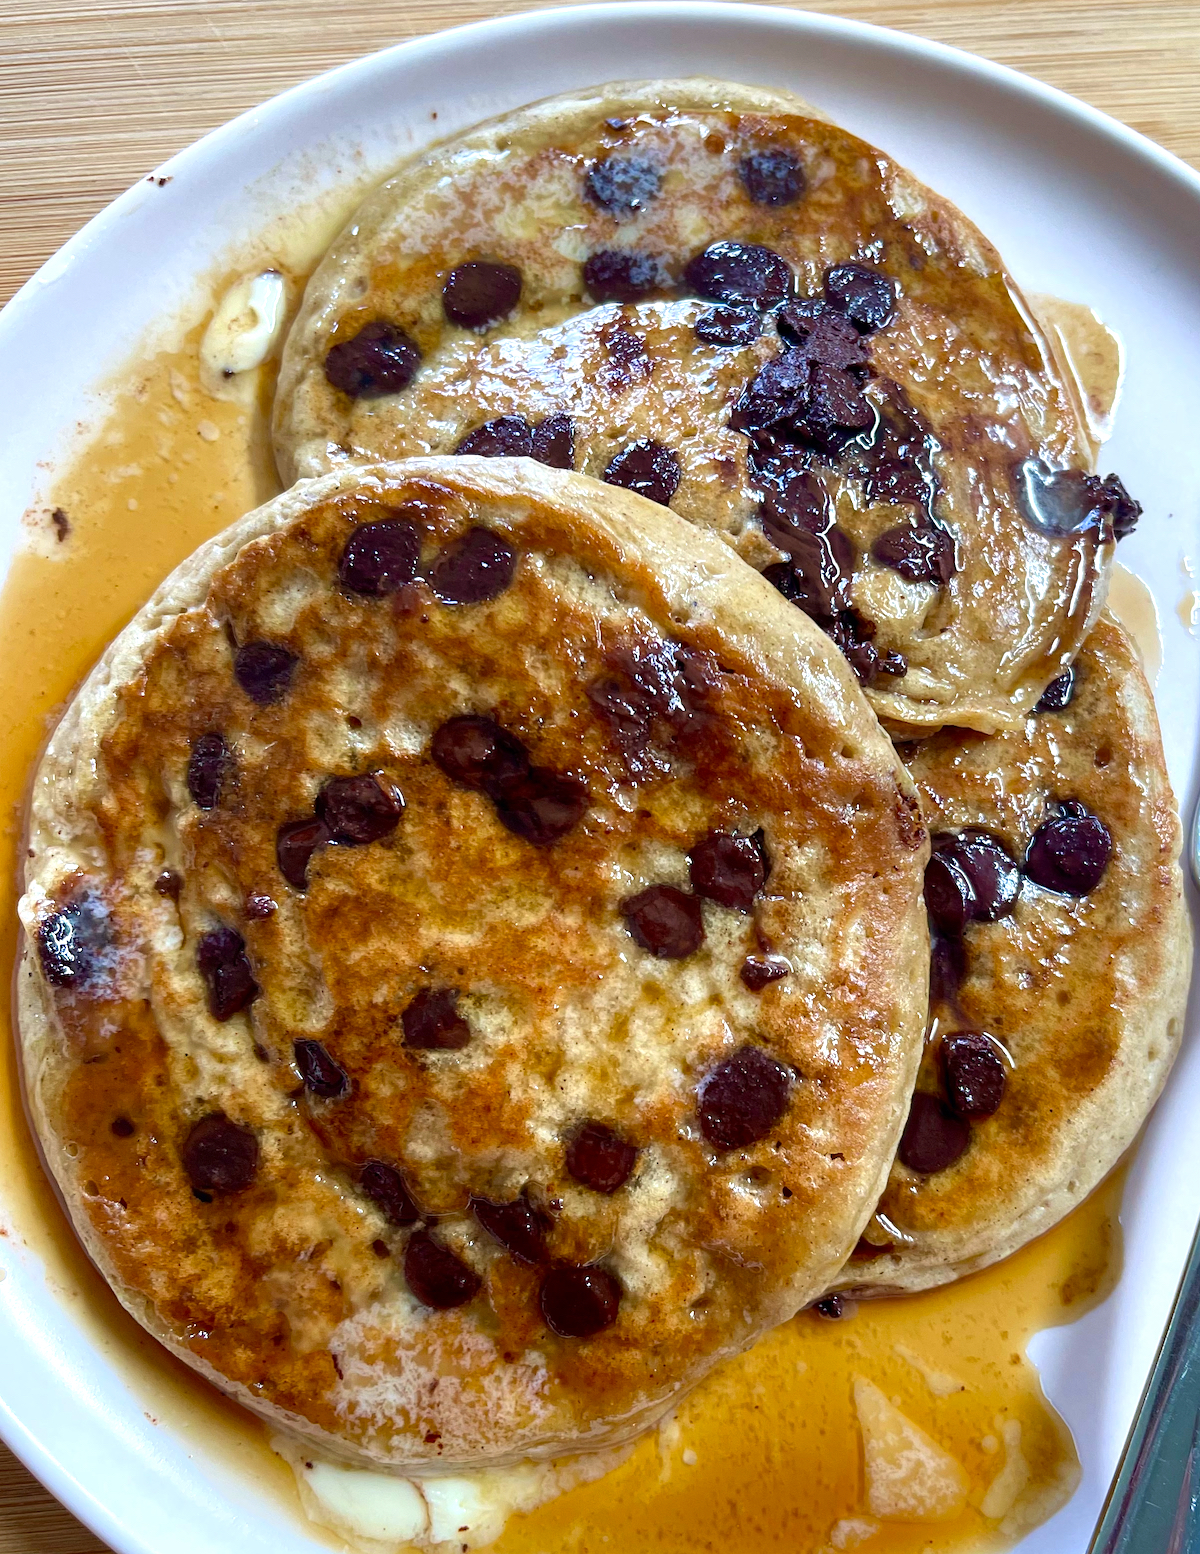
[(169, 883), (380, 359), (518, 1226), (1059, 693), (665, 920), (123, 1128), (358, 810), (264, 671), (542, 806), (258, 906), (973, 1073), (730, 326), (477, 753), (773, 176), (866, 297), (599, 1158), (728, 869), (1070, 501), (506, 437), (553, 441), (207, 766), (295, 844), (1123, 512), (379, 558), (740, 272), (71, 942), (622, 275), (432, 1021), (795, 319), (386, 1189), (795, 499), (823, 335), (758, 971), (219, 1156), (627, 360), (933, 1137), (320, 1073), (622, 185), (221, 958), (381, 1248), (578, 1302), (853, 635), (819, 571), (947, 968), (743, 1098), (922, 553), (1070, 853), (832, 1307), (475, 567), (435, 1275), (836, 406), (480, 293), (892, 480), (647, 468), (971, 878)]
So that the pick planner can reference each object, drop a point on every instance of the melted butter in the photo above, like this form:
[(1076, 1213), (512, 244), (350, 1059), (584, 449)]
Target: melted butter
[(1131, 601)]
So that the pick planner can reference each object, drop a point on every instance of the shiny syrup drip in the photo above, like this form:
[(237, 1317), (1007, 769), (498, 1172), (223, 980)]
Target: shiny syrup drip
[(766, 1453)]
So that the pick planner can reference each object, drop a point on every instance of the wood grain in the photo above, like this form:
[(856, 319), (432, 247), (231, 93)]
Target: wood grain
[(94, 95)]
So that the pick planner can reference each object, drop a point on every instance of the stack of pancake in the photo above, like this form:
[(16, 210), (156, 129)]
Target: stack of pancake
[(652, 828)]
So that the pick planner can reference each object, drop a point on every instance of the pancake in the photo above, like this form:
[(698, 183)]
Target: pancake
[(1057, 1011), (475, 968), (714, 296)]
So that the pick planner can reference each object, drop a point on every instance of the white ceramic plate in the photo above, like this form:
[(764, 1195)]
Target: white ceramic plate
[(1079, 205)]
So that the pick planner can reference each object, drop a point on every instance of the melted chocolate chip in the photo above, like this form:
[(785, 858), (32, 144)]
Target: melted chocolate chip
[(358, 810), (432, 1021), (517, 1226), (435, 1275), (295, 844), (795, 499), (823, 335), (541, 806), (836, 407), (477, 753), (318, 1070), (264, 671), (933, 1137), (379, 558), (922, 552), (578, 1302), (866, 297), (122, 1128), (1070, 501), (853, 636), (1059, 693), (506, 437), (219, 1156), (797, 397), (221, 958), (621, 275), (973, 1073), (947, 968), (740, 272), (71, 942), (728, 869), (553, 442), (169, 883), (772, 176), (480, 293), (819, 570), (629, 714), (207, 767), (665, 920), (647, 468), (475, 567), (759, 971), (258, 906), (622, 185), (729, 326), (380, 359), (743, 1098), (386, 1189), (627, 359), (599, 1158), (970, 878), (1070, 853)]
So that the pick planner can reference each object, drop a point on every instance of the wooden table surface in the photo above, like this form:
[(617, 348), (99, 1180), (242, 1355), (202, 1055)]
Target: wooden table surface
[(94, 95)]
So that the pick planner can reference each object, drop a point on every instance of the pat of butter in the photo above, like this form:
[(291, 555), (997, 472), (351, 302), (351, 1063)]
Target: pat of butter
[(371, 1505), (242, 332), (910, 1478)]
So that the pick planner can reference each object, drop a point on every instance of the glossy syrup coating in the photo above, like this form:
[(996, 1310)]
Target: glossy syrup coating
[(444, 1040)]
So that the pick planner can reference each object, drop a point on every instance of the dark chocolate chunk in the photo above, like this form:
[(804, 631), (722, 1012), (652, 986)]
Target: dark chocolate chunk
[(435, 1275), (1059, 693), (219, 1156), (505, 437), (973, 1073), (853, 636), (934, 1137), (836, 406), (823, 335), (379, 558), (477, 753), (971, 878), (728, 869), (320, 1073), (759, 971), (358, 810), (740, 272), (264, 671), (647, 468), (599, 1158), (221, 958), (743, 1098), (578, 1302), (541, 806), (665, 920), (772, 175), (553, 442), (776, 394), (920, 552), (72, 941), (622, 185), (949, 896), (517, 1226), (623, 275), (207, 768), (386, 1189), (1069, 853), (380, 359), (864, 295), (480, 293), (1070, 501), (473, 568), (122, 1128), (731, 326), (432, 1021), (892, 480), (795, 499), (295, 844), (819, 570)]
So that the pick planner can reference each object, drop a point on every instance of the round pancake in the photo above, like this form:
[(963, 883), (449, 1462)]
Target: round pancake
[(542, 267), (459, 1009), (1082, 997)]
